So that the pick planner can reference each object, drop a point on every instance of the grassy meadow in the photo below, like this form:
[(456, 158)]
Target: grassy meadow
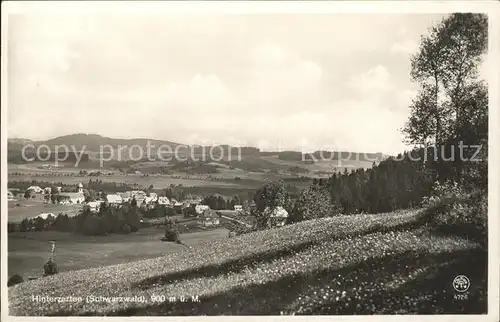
[(387, 263), (28, 208), (28, 251)]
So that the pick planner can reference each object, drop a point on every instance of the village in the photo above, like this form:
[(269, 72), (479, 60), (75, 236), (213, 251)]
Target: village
[(147, 202)]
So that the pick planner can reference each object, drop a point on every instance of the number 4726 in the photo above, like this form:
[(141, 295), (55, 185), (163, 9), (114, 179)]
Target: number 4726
[(461, 296)]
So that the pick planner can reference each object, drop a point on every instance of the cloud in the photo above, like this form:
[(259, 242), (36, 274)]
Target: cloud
[(372, 83), (281, 80)]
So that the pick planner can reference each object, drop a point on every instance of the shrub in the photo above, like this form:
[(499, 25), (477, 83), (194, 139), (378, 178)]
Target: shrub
[(453, 210), (50, 268), (14, 279), (171, 231), (314, 202)]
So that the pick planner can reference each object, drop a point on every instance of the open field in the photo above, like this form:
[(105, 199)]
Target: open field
[(29, 251), (28, 208), (364, 264), (320, 165), (157, 181)]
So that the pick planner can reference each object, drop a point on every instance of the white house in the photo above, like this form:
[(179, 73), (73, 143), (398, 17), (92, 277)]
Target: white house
[(125, 196), (80, 188), (114, 199), (238, 207), (139, 196), (201, 208), (59, 189), (149, 200), (209, 218), (74, 197), (277, 215), (153, 195), (94, 206), (163, 201), (35, 189), (191, 202), (47, 190), (46, 215)]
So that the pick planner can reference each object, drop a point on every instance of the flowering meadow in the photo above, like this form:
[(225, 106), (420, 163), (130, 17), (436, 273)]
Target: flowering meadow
[(361, 264)]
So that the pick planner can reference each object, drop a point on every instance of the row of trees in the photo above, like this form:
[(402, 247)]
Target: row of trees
[(124, 219), (218, 202)]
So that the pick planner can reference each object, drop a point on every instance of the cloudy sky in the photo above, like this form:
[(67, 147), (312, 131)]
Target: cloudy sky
[(337, 82)]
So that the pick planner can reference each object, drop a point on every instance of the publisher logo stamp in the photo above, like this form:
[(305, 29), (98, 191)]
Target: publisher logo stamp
[(461, 283)]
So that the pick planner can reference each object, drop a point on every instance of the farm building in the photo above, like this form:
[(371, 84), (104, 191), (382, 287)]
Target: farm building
[(74, 197), (277, 216), (209, 218), (35, 189), (125, 196), (163, 201), (139, 196), (238, 207), (94, 206), (191, 202), (114, 199), (201, 208), (46, 215)]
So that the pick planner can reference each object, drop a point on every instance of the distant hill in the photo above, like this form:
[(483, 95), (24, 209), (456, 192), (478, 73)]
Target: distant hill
[(93, 142), (252, 159)]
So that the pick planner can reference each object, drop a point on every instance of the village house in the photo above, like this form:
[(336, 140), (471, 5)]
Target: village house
[(125, 196), (46, 215), (200, 208), (191, 202), (209, 218), (94, 206), (35, 189), (149, 200), (138, 195), (74, 197), (114, 199), (47, 190), (278, 216), (238, 207), (163, 201)]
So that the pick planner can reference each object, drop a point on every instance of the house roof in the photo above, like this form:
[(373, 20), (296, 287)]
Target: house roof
[(73, 195), (45, 215), (163, 201), (114, 198), (277, 212), (209, 213), (94, 203)]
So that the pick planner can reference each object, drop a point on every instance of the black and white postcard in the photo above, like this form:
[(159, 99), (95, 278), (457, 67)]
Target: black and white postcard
[(185, 159)]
